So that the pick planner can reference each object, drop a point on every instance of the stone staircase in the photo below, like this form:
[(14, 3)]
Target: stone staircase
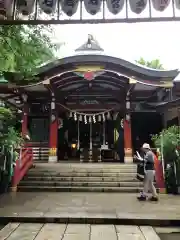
[(81, 177)]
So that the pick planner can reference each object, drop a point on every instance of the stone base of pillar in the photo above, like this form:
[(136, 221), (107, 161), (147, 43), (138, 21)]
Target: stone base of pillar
[(128, 158), (13, 189), (52, 159)]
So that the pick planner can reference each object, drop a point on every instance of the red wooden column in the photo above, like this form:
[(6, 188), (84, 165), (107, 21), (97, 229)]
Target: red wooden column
[(53, 133), (127, 134), (127, 142)]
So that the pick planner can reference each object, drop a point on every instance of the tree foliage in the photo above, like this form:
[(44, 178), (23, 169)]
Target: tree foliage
[(155, 64), (25, 47)]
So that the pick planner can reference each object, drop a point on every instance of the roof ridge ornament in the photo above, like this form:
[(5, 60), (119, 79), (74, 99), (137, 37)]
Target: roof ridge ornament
[(90, 45)]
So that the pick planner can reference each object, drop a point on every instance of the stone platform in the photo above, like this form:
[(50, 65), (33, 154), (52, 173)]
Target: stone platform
[(35, 231), (104, 208)]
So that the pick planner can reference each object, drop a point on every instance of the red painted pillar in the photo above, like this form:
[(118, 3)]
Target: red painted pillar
[(127, 142), (53, 133)]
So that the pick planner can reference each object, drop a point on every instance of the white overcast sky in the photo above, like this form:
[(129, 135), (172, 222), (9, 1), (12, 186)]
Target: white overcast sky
[(128, 41)]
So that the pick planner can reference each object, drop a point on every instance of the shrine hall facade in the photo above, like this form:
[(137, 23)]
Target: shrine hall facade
[(91, 107)]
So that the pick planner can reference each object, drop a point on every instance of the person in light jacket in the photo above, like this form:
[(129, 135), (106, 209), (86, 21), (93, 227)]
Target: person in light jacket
[(149, 170)]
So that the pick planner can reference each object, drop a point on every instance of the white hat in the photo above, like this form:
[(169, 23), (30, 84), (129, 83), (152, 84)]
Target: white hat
[(146, 146)]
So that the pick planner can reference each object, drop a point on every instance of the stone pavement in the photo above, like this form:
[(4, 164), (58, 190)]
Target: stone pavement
[(29, 231), (116, 208)]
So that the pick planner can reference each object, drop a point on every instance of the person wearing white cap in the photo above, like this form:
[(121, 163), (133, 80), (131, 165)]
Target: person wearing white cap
[(149, 169)]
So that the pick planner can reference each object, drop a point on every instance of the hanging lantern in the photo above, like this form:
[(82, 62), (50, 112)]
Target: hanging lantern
[(177, 4), (128, 117), (80, 118), (6, 9), (53, 117), (25, 7), (48, 6), (115, 116), (108, 116), (99, 118), (69, 7), (122, 123), (103, 116), (160, 5), (137, 6), (92, 6), (115, 6), (70, 115)]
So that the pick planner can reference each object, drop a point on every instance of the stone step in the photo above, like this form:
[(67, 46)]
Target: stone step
[(80, 184), (84, 170), (78, 189), (83, 178), (81, 174), (80, 165)]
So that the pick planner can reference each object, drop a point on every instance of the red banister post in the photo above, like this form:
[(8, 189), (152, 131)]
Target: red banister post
[(160, 181), (23, 163), (16, 173)]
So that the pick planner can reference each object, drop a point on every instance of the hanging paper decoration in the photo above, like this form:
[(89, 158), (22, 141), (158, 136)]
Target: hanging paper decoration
[(103, 117), (6, 8), (94, 119), (160, 5), (90, 120), (75, 117), (115, 6), (26, 7), (92, 6), (85, 119), (69, 7), (137, 6), (177, 4), (48, 6)]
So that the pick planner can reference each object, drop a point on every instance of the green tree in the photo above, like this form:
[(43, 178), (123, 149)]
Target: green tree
[(155, 64), (25, 47)]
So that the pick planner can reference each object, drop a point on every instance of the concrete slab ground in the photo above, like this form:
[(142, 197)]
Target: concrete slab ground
[(34, 231), (106, 208)]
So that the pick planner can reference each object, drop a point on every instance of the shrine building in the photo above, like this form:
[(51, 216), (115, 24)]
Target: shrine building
[(91, 107)]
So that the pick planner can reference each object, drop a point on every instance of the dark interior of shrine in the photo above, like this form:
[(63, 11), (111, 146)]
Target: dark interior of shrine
[(68, 137), (144, 125)]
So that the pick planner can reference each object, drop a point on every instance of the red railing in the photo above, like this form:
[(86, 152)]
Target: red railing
[(160, 181), (23, 164)]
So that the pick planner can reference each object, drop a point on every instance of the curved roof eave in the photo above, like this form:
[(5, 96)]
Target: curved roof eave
[(105, 60)]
